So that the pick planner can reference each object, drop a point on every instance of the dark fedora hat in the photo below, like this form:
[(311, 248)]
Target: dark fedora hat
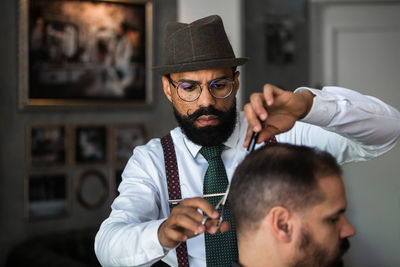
[(202, 44)]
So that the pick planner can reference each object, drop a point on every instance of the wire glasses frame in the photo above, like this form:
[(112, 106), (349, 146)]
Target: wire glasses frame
[(179, 88)]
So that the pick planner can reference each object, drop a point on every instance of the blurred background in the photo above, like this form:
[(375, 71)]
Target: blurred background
[(60, 165)]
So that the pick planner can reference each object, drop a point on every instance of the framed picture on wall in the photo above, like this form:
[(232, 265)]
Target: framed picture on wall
[(46, 145), (85, 53), (92, 189), (126, 137), (90, 144), (46, 195)]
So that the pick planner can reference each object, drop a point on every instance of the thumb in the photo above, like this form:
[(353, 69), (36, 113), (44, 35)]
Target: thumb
[(267, 133)]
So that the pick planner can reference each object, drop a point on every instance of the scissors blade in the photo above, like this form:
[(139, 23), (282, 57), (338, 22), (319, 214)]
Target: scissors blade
[(226, 194), (221, 216), (223, 199), (221, 202)]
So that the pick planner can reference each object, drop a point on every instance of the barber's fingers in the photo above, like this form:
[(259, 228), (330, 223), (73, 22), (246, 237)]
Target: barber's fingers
[(257, 102), (193, 213), (261, 101), (224, 227), (267, 133), (212, 226), (177, 228), (174, 235), (190, 204), (202, 204), (270, 93), (185, 221), (187, 216)]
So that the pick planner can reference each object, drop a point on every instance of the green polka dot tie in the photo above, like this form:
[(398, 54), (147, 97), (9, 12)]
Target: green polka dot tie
[(221, 248)]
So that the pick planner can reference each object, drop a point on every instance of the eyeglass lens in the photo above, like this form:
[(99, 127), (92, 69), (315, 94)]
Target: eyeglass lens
[(190, 91)]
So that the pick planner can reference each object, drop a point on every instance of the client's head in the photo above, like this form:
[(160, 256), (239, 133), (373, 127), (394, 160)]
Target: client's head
[(288, 203)]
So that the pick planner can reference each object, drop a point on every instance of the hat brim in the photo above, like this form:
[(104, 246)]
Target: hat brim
[(200, 65)]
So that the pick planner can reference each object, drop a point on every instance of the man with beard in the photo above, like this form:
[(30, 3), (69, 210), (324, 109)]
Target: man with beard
[(288, 203), (195, 161)]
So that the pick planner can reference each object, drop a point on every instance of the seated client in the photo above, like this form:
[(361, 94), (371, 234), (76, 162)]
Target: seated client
[(288, 204)]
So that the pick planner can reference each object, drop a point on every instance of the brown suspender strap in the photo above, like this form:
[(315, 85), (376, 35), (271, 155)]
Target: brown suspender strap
[(174, 189)]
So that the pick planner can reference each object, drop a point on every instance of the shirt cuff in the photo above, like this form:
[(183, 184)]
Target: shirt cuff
[(323, 108), (153, 246)]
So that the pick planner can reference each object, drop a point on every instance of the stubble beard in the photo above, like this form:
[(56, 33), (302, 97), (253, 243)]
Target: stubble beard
[(316, 255)]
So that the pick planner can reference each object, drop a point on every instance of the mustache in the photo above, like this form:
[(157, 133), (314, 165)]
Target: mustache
[(210, 110)]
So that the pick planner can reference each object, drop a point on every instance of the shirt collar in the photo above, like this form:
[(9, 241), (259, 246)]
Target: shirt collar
[(230, 143)]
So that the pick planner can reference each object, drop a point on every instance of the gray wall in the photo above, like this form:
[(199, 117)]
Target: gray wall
[(13, 168), (259, 70)]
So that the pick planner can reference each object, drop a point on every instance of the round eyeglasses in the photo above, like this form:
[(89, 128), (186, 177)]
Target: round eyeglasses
[(190, 91)]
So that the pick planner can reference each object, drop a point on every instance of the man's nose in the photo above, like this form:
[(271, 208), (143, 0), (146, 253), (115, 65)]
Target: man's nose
[(347, 230), (205, 99)]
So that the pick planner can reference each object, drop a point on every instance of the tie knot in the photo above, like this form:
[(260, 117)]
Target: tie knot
[(210, 152)]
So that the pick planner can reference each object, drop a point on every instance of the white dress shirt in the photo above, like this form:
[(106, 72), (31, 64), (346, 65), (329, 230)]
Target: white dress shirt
[(351, 126)]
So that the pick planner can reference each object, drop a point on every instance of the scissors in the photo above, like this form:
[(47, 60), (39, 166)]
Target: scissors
[(221, 204), (177, 201)]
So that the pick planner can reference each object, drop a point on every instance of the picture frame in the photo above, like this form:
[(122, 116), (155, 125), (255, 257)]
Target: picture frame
[(46, 145), (92, 189), (85, 53), (91, 144), (46, 195), (125, 137)]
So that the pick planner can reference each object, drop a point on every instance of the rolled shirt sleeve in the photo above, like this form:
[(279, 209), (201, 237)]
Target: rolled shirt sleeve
[(367, 127)]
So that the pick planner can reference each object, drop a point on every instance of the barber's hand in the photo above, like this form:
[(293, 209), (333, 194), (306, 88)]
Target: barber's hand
[(184, 222), (277, 109)]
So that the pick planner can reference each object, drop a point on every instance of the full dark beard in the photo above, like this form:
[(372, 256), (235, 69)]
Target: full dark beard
[(317, 255), (208, 135)]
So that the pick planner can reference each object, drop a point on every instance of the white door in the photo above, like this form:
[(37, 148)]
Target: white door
[(356, 44)]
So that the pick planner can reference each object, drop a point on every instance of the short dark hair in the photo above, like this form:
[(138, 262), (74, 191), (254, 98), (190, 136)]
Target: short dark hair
[(279, 174)]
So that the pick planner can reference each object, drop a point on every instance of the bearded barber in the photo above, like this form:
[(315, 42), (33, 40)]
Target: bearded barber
[(198, 158)]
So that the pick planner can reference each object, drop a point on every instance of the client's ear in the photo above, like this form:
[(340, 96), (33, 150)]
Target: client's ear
[(281, 225)]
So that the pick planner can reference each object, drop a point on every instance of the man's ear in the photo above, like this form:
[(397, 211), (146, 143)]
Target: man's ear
[(236, 79), (166, 87), (281, 224)]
